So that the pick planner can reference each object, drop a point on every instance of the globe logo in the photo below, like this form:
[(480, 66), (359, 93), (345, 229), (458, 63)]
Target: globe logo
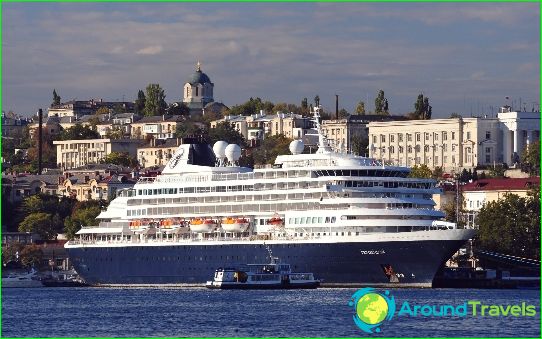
[(372, 308)]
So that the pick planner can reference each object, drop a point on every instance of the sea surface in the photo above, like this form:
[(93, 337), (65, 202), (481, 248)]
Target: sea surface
[(198, 312)]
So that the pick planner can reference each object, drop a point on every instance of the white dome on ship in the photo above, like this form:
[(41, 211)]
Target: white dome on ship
[(297, 147), (233, 152), (219, 148)]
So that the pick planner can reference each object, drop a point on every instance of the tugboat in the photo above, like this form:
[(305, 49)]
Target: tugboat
[(274, 275)]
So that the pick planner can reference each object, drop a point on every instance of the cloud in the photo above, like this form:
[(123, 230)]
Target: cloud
[(150, 50)]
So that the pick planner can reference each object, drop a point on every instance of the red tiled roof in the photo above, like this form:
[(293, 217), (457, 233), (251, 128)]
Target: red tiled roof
[(498, 184)]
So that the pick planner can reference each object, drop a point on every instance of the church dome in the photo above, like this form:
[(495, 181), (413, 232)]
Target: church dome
[(199, 77)]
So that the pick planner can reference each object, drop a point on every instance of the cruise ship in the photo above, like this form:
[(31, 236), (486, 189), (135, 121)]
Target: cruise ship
[(350, 220)]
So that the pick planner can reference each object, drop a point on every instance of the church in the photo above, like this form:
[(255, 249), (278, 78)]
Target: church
[(198, 94)]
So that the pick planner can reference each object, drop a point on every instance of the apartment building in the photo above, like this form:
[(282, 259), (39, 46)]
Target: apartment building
[(157, 153)]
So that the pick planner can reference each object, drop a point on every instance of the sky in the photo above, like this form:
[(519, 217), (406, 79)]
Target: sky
[(466, 57)]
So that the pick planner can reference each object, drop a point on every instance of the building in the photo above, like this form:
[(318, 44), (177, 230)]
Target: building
[(157, 153), (77, 109), (16, 187), (84, 188), (75, 153), (255, 127), (480, 192), (13, 126), (119, 123), (340, 133), (50, 126), (518, 130), (454, 144), (157, 127), (198, 91)]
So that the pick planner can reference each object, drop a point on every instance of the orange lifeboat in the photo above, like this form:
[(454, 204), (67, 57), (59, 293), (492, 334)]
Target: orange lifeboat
[(199, 225), (236, 225)]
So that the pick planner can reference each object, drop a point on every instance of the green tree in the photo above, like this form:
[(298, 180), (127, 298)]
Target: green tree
[(155, 100), (381, 104), (11, 252), (455, 115), (115, 133), (497, 171), (360, 108), (188, 128), (226, 132), (178, 109), (120, 158), (421, 171), (343, 114), (271, 147), (56, 98), (140, 103), (102, 110), (422, 109), (48, 151), (511, 225), (530, 159), (78, 132), (31, 255), (40, 223), (450, 210), (84, 214), (360, 145), (437, 173)]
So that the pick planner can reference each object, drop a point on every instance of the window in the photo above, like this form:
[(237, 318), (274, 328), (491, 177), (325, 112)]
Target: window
[(197, 90), (436, 159), (409, 137), (392, 150), (453, 159), (382, 138), (444, 136), (426, 136), (453, 147), (435, 136), (488, 149), (445, 147), (401, 149), (445, 160), (468, 135), (488, 135), (400, 136), (488, 158), (417, 148), (409, 149), (374, 139), (392, 138), (418, 137), (426, 148), (453, 135)]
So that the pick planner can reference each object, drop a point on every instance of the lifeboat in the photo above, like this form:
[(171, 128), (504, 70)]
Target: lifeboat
[(202, 225), (166, 223), (235, 224), (276, 221)]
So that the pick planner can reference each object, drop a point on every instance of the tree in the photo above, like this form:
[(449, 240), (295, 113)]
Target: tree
[(360, 108), (226, 132), (304, 106), (84, 214), (56, 99), (177, 108), (271, 147), (317, 100), (31, 255), (422, 109), (140, 103), (511, 225), (437, 173), (450, 210), (530, 159), (115, 133), (119, 158), (40, 223), (421, 171), (455, 115), (360, 145), (188, 129), (48, 151), (381, 105), (78, 132), (11, 252), (102, 110), (155, 103)]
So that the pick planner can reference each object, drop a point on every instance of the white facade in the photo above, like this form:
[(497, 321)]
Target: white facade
[(518, 130)]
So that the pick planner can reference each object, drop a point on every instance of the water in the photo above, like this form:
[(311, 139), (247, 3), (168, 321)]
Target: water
[(194, 312)]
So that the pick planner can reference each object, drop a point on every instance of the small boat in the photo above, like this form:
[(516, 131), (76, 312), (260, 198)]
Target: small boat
[(63, 280), (29, 279), (274, 275), (237, 225), (276, 221)]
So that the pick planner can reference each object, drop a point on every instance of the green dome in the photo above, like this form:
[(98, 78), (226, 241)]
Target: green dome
[(199, 78)]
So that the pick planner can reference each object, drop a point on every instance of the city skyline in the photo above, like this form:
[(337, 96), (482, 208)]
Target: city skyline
[(465, 58)]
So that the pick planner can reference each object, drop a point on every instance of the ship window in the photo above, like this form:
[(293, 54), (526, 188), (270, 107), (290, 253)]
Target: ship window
[(327, 220), (357, 233), (302, 221), (333, 219), (297, 220), (290, 221), (342, 233), (320, 219)]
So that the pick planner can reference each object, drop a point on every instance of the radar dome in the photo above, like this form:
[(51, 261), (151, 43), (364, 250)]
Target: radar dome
[(297, 146), (233, 152), (220, 148)]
